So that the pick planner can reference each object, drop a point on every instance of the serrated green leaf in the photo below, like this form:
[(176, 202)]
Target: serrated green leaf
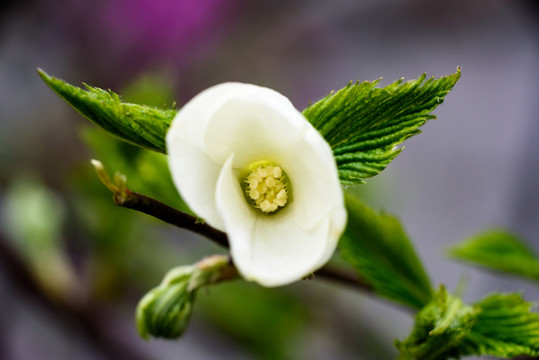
[(140, 125), (500, 325), (379, 249), (504, 327), (498, 250), (364, 124)]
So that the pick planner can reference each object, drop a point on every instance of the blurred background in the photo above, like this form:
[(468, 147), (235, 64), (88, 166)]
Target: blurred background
[(73, 265)]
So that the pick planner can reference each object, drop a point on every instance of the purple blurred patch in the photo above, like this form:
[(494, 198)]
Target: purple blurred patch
[(161, 28), (119, 38)]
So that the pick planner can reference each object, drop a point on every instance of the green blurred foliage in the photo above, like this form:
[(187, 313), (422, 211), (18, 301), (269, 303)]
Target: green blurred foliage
[(377, 246), (126, 249), (123, 245), (35, 222), (267, 321), (35, 216), (498, 250), (154, 88)]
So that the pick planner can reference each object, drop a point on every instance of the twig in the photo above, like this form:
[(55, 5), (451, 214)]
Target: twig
[(157, 209), (343, 276), (132, 200)]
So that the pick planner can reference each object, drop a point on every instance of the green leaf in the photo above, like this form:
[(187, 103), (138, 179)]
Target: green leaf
[(499, 250), (379, 249), (504, 327), (364, 124), (439, 328), (144, 126), (500, 325)]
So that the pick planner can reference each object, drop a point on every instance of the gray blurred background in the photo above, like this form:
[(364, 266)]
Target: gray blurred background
[(474, 168)]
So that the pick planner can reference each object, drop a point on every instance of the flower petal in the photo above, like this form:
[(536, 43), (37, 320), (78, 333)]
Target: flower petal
[(257, 124), (211, 141), (271, 250), (311, 168), (234, 210), (195, 176), (283, 252), (260, 124), (193, 172), (337, 224)]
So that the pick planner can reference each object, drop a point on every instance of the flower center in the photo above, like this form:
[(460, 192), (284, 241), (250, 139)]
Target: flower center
[(266, 187)]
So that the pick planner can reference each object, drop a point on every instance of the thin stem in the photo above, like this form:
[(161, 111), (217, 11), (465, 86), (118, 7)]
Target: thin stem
[(157, 209), (132, 200), (343, 276)]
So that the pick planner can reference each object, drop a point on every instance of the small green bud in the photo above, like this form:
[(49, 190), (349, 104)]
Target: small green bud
[(166, 309), (117, 186)]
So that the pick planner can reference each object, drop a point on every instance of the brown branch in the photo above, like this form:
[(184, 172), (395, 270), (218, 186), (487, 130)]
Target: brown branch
[(132, 200), (161, 211), (343, 276)]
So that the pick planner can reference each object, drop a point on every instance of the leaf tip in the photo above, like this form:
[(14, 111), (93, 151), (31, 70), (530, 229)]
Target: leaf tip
[(458, 73), (43, 75)]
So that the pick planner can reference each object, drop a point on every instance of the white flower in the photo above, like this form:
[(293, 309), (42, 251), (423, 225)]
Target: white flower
[(244, 159)]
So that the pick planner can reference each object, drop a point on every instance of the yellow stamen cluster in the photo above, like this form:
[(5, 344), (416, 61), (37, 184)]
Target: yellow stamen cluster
[(266, 188)]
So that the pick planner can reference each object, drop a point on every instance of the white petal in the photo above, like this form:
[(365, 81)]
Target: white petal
[(234, 210), (222, 130), (337, 224), (281, 251), (271, 250), (316, 188), (191, 122), (264, 125), (195, 176), (193, 172), (259, 124)]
